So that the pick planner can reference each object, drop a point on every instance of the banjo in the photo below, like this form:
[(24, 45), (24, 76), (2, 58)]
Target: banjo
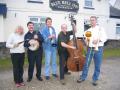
[(34, 45)]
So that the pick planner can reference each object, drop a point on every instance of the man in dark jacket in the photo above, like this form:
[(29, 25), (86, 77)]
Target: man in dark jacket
[(34, 55)]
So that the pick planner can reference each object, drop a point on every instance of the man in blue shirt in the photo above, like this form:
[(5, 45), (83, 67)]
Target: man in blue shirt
[(49, 47)]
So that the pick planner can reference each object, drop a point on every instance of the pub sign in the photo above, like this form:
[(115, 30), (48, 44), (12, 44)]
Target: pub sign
[(64, 5)]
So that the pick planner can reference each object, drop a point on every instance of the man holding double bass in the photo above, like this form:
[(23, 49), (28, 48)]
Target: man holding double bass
[(63, 39)]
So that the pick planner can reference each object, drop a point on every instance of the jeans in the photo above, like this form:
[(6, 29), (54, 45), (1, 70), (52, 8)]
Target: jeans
[(97, 57), (50, 57)]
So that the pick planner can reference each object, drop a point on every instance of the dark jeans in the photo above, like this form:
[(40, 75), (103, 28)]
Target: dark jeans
[(35, 57), (63, 64), (18, 62)]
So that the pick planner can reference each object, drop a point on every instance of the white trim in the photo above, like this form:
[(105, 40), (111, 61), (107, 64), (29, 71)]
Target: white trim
[(2, 29)]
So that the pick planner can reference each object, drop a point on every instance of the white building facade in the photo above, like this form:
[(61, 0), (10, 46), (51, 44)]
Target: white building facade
[(19, 12)]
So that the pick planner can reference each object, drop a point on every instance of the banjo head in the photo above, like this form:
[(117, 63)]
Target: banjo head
[(34, 45)]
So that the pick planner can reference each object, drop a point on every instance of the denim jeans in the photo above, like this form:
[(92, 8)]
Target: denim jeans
[(97, 57), (50, 58)]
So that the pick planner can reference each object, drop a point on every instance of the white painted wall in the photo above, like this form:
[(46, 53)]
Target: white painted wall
[(111, 32), (19, 11), (1, 29)]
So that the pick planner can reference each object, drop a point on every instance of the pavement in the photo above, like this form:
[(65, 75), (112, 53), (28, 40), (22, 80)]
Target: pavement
[(109, 79)]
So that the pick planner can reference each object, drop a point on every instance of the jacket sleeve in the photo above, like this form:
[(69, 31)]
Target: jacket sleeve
[(103, 36), (40, 37), (9, 43), (45, 37), (26, 44)]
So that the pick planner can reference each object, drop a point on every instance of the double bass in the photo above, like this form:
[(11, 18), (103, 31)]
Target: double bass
[(76, 57)]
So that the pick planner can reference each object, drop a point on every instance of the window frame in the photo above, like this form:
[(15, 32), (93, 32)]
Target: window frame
[(117, 26), (90, 6), (35, 1), (39, 21)]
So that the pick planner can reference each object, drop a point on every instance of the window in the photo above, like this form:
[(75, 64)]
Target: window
[(88, 3), (117, 28), (39, 22), (36, 1)]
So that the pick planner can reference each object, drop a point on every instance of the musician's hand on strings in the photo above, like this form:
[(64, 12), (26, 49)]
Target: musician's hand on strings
[(31, 41), (73, 47)]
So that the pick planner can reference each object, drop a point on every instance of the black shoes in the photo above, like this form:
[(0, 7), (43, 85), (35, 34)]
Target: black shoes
[(62, 82), (67, 73), (40, 78), (80, 80), (55, 75), (47, 77), (29, 79), (95, 83)]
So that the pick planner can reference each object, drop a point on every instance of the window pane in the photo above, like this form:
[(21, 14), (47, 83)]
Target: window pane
[(34, 19), (42, 19), (117, 30), (39, 22), (88, 3), (36, 26)]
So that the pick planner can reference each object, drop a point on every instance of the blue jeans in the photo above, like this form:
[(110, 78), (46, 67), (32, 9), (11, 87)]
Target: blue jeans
[(50, 57), (97, 57)]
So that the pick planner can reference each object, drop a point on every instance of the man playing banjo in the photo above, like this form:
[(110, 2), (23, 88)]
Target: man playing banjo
[(33, 43)]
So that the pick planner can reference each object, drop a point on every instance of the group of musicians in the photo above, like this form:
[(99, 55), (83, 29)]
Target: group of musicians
[(45, 40)]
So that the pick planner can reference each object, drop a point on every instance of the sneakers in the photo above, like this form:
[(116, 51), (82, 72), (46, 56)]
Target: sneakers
[(22, 84), (95, 83), (55, 75), (47, 77), (19, 84), (80, 80), (62, 82)]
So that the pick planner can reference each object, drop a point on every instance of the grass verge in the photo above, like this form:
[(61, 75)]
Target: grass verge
[(108, 53)]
